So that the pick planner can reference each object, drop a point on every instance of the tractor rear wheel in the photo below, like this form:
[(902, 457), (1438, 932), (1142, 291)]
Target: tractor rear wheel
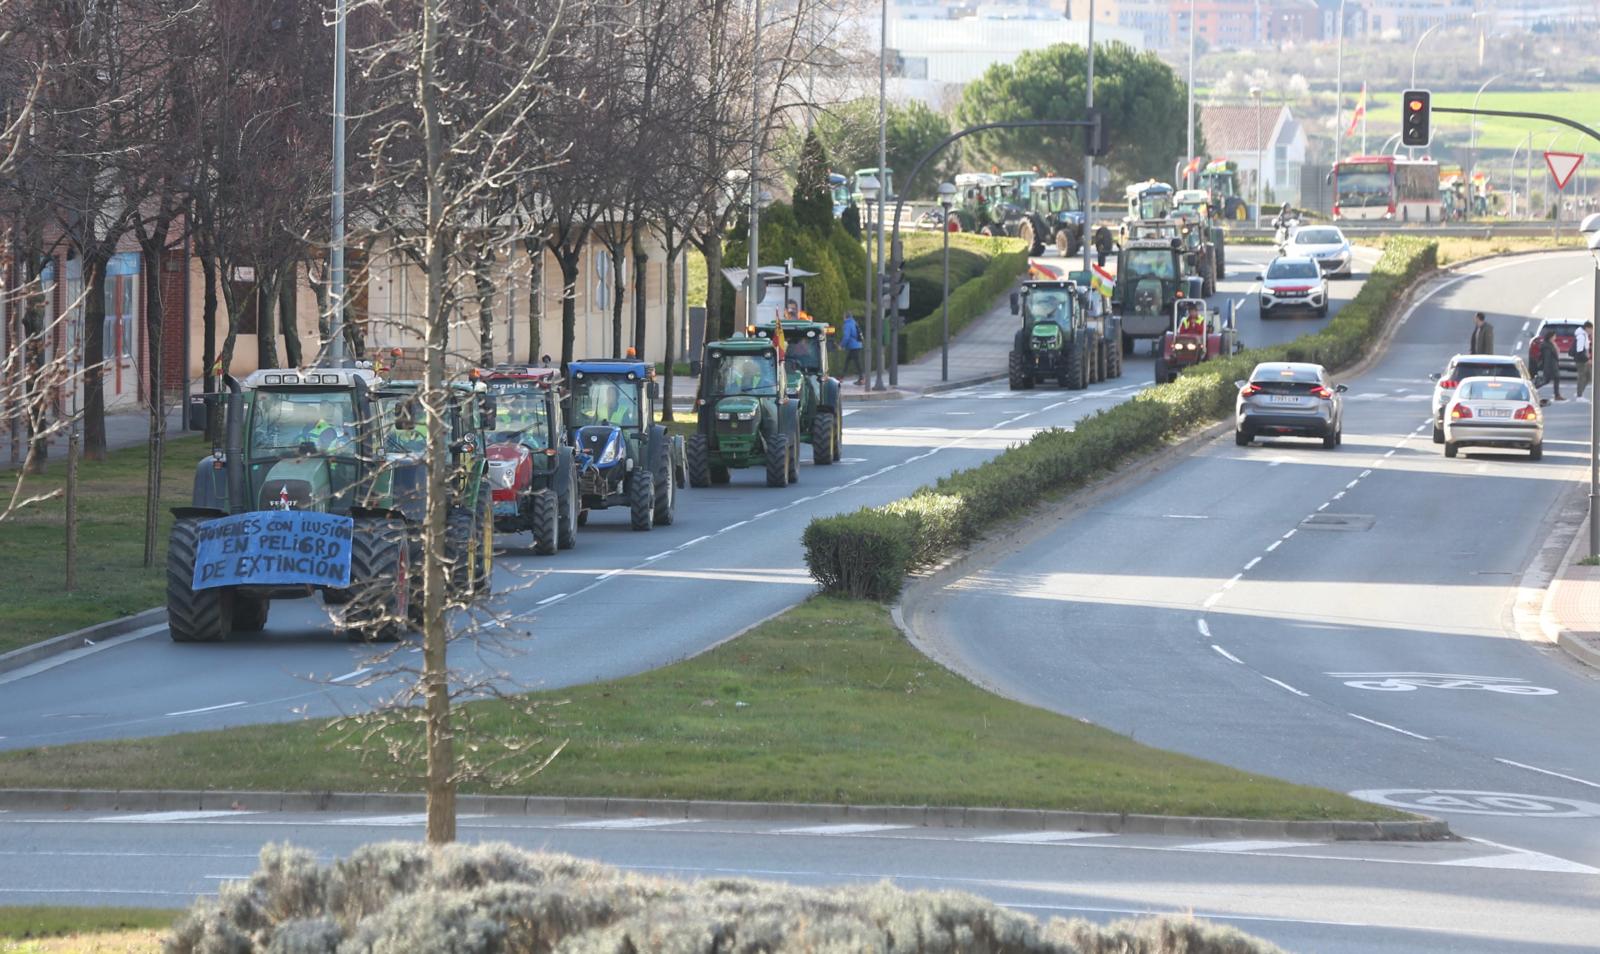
[(380, 579), (778, 461), (567, 532), (823, 434), (642, 499), (1033, 238), (699, 454), (458, 550), (666, 499), (1073, 377), (1161, 370), (193, 616), (1114, 348), (250, 613), (546, 511)]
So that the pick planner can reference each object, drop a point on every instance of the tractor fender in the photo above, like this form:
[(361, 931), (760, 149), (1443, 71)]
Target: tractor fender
[(658, 450), (210, 486), (830, 395), (362, 512), (1019, 344), (561, 480), (198, 513)]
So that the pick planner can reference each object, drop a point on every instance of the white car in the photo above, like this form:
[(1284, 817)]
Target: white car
[(1464, 366), (1293, 284), (1494, 412), (1325, 245)]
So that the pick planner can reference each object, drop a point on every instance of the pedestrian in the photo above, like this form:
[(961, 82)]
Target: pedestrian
[(1581, 357), (544, 361), (850, 340), (1482, 340), (1550, 362), (1102, 243)]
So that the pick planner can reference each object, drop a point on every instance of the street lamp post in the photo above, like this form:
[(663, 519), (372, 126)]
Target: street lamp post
[(1255, 94), (947, 195), (336, 283), (1188, 155), (1591, 234), (883, 163), (753, 279), (869, 186), (1338, 97)]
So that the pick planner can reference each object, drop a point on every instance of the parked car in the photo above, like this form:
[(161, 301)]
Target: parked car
[(1464, 366), (1289, 399), (1293, 284), (1325, 245), (1494, 412), (1566, 337)]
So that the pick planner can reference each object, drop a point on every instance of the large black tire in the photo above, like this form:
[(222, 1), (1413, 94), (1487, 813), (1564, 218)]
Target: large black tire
[(823, 434), (1014, 377), (1438, 432), (642, 499), (483, 555), (567, 532), (1536, 452), (1032, 236), (699, 454), (458, 550), (1073, 378), (1222, 261), (1161, 370), (794, 458), (193, 616), (1116, 358), (778, 461), (546, 511), (666, 497), (250, 613), (1449, 450), (1242, 438), (380, 570)]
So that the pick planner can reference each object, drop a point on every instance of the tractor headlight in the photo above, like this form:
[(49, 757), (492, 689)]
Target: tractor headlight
[(612, 452), (502, 476)]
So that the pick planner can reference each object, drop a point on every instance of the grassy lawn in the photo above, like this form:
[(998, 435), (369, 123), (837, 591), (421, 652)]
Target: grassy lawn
[(1499, 132), (56, 930), (111, 580), (827, 703), (1461, 249)]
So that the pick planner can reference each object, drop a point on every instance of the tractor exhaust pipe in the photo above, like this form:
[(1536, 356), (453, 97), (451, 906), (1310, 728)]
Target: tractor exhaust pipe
[(233, 446)]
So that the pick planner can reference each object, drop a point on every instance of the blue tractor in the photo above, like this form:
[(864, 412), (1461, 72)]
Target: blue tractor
[(625, 458)]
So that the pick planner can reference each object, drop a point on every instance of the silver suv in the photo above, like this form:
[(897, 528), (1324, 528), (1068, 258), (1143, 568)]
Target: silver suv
[(1291, 399)]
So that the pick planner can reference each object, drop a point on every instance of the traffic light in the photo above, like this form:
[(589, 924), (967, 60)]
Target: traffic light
[(1416, 117), (1095, 133)]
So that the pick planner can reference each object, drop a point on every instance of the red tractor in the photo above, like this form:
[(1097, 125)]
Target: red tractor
[(532, 471), (1197, 335)]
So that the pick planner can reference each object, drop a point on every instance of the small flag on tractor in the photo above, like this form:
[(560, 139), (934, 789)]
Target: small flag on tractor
[(1192, 167), (1100, 280), (777, 335)]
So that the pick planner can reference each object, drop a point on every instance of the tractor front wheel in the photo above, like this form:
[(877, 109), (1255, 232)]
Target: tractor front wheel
[(193, 616), (778, 461), (250, 613), (567, 532), (666, 499), (1161, 370), (699, 454), (1017, 378), (380, 578), (823, 434), (546, 512), (1073, 377), (642, 499)]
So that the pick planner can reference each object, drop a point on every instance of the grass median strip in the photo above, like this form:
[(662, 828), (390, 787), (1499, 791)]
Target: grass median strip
[(826, 703), (48, 929)]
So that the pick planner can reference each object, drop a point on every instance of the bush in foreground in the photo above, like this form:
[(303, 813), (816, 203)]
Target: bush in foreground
[(402, 898)]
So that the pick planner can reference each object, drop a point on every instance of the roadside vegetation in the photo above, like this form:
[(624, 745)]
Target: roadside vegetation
[(42, 929), (111, 580), (826, 703)]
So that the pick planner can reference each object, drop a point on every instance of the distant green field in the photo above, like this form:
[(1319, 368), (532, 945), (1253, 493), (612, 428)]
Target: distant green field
[(1582, 105)]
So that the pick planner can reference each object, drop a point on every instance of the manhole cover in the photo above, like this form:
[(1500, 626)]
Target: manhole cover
[(1338, 521)]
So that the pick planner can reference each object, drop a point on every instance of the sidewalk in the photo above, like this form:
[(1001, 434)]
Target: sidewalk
[(129, 427), (1571, 616), (977, 354)]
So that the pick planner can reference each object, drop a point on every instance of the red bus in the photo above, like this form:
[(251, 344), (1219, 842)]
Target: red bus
[(1386, 187)]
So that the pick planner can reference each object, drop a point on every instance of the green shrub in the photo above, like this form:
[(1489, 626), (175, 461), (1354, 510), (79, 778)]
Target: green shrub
[(967, 302), (962, 506)]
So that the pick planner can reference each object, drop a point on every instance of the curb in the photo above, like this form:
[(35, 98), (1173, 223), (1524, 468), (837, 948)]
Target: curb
[(88, 636), (1565, 639), (964, 383), (927, 816)]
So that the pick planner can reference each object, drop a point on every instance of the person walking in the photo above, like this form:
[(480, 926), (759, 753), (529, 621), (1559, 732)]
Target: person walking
[(850, 340), (1550, 362), (1102, 244), (1582, 358), (1482, 340)]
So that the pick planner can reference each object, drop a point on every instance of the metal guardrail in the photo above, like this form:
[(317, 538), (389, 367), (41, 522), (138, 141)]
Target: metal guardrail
[(1467, 230)]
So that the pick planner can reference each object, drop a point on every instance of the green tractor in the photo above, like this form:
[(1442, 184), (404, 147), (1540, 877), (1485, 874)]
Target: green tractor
[(318, 488), (1195, 206), (1220, 178), (1055, 216), (805, 361), (746, 416), (983, 205), (1057, 341), (1150, 279)]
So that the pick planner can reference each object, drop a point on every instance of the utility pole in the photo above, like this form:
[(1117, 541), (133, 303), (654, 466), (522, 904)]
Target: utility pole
[(754, 264), (883, 190), (1088, 161), (336, 283)]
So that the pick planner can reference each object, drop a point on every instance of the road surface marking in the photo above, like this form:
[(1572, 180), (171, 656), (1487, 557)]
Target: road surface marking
[(1320, 509), (1227, 655), (225, 705), (351, 675), (1338, 496), (1356, 481), (1522, 861), (1212, 599), (657, 556), (1391, 453), (684, 546), (626, 823), (765, 513), (1232, 580), (1385, 725), (844, 829), (1204, 629), (551, 599), (733, 526), (1247, 846), (1289, 534), (1042, 837), (606, 575), (160, 818), (1284, 685), (847, 413), (1275, 545), (1252, 564), (1052, 407), (1187, 516), (1534, 768), (1364, 473), (1474, 802)]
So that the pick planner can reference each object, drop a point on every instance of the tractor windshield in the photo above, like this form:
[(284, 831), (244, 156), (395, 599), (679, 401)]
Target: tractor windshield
[(405, 430), (1155, 205), (1063, 199), (1220, 183), (746, 374), (802, 353), (1049, 304), (303, 421), (605, 399), (521, 417), (1151, 263)]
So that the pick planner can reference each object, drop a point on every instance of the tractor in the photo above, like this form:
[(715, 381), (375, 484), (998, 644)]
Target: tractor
[(805, 360), (625, 458), (1149, 281), (1147, 201), (746, 418), (533, 469), (1055, 216), (311, 492), (1019, 185), (1195, 204), (984, 205), (839, 191), (1057, 341), (1220, 178), (1197, 335)]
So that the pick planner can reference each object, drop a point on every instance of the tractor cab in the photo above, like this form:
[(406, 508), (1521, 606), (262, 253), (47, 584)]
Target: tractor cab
[(839, 190), (979, 200), (1192, 204), (885, 179), (1220, 180), (1019, 186), (746, 418), (805, 348), (1150, 277), (1055, 215), (1149, 200)]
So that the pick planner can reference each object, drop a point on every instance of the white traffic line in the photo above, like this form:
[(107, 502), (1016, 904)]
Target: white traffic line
[(1227, 655), (1275, 545), (627, 823), (842, 829), (352, 675), (1233, 846), (551, 599), (1284, 685), (1534, 768), (1252, 564), (1042, 837), (225, 705), (162, 818), (1385, 725), (1232, 580)]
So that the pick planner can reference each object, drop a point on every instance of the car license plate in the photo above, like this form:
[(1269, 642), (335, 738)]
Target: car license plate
[(1283, 399), (1496, 412)]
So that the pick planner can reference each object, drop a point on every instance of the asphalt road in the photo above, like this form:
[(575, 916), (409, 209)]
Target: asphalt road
[(1341, 618), (621, 603), (1348, 897)]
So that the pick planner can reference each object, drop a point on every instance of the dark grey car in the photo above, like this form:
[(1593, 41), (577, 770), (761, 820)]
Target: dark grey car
[(1289, 399)]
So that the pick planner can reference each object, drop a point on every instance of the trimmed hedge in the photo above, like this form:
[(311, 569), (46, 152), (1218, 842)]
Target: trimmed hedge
[(967, 302), (931, 523)]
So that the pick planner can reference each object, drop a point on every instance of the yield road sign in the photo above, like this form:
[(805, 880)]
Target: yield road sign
[(1562, 166)]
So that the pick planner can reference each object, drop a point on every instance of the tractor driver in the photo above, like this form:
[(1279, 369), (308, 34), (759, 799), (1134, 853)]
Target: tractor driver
[(1045, 305), (1193, 321), (410, 434), (517, 413), (615, 406), (801, 355)]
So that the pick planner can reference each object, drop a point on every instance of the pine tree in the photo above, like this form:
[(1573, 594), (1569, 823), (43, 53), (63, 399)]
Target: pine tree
[(813, 200)]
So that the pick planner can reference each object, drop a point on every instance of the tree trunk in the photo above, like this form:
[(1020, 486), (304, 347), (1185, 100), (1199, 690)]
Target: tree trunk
[(619, 289), (265, 293), (668, 354), (712, 249), (535, 249), (288, 283), (483, 279), (641, 289), (94, 355), (32, 345), (208, 323), (155, 258), (568, 259), (230, 298)]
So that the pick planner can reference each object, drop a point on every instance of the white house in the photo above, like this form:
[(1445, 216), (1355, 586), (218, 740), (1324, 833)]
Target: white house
[(1270, 131)]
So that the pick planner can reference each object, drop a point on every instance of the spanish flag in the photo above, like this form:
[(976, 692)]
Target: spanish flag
[(1192, 167), (1361, 110)]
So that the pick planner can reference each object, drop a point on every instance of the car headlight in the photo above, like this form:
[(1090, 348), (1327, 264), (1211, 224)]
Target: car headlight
[(612, 452)]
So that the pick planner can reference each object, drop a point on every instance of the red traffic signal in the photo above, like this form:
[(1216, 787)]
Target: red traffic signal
[(1417, 118)]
